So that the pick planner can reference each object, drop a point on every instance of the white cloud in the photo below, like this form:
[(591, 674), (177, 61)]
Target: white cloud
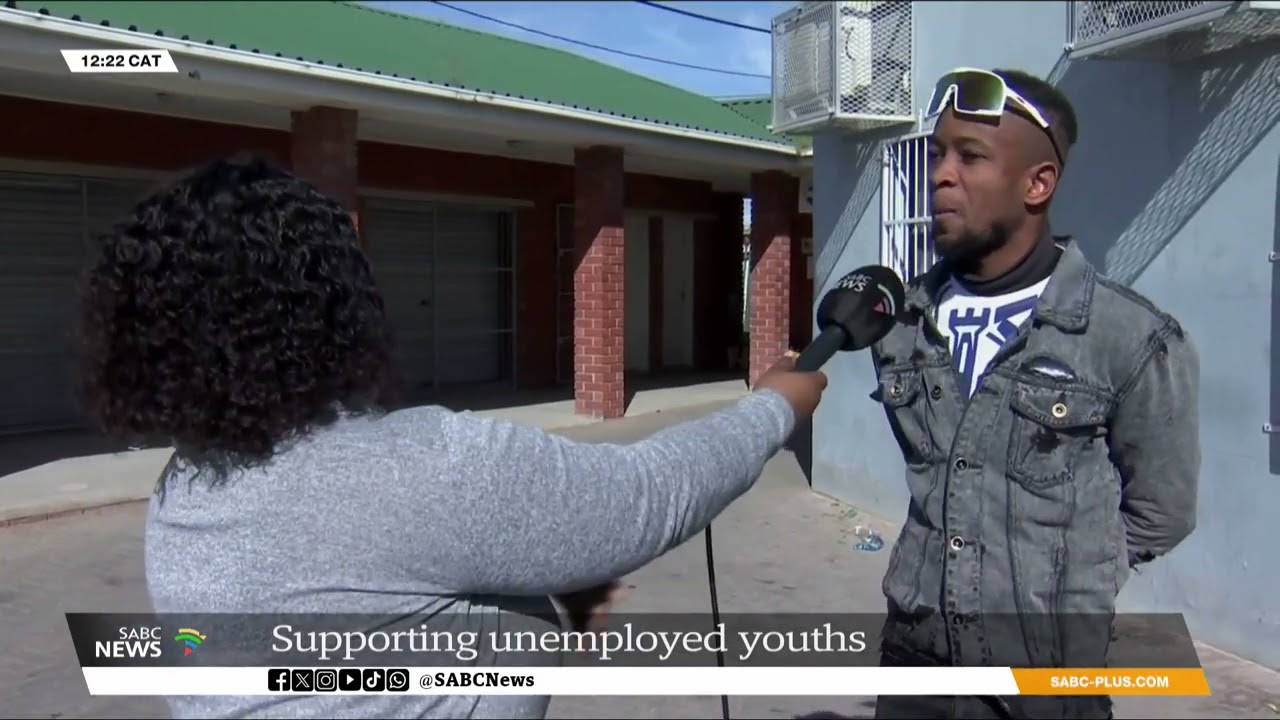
[(753, 52), (753, 18), (668, 40), (756, 57)]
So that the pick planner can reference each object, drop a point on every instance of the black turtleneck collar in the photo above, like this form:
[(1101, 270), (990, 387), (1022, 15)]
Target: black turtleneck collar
[(1036, 266)]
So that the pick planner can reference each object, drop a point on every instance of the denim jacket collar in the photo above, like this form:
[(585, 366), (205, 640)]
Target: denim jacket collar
[(1065, 302)]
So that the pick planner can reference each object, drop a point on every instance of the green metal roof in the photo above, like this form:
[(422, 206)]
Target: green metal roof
[(760, 110), (356, 36)]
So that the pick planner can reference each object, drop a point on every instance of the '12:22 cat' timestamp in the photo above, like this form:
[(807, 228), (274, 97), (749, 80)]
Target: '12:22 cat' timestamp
[(134, 60)]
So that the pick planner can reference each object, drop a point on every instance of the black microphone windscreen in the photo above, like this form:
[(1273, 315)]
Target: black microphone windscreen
[(865, 304)]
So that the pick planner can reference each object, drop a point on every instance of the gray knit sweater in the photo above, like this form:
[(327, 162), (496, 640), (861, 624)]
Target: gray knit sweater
[(425, 511)]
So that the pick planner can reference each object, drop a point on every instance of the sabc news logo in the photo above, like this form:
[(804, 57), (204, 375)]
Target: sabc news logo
[(190, 639), (145, 643)]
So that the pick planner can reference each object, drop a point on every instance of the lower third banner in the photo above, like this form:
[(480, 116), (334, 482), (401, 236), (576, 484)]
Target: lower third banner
[(641, 681)]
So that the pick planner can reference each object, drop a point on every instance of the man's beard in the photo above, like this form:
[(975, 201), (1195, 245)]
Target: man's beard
[(966, 253)]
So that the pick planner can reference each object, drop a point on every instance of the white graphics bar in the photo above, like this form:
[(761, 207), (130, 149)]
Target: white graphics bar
[(640, 681)]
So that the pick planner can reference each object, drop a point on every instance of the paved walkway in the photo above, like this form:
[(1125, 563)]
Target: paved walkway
[(779, 547), (47, 474)]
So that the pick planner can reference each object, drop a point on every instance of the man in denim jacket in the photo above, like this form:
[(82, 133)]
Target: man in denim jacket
[(1047, 415)]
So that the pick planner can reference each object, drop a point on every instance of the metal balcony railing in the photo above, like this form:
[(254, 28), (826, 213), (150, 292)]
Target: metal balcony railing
[(1173, 29)]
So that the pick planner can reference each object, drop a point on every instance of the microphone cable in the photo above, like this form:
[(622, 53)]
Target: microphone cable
[(715, 614)]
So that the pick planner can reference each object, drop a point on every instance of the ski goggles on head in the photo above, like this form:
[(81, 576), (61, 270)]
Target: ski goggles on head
[(971, 91)]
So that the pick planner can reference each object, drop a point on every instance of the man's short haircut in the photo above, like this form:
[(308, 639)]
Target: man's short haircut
[(1048, 100)]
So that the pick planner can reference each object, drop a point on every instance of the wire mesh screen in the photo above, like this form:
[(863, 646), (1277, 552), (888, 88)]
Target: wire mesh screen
[(1172, 30), (905, 243), (873, 60), (1093, 21), (802, 71), (844, 64)]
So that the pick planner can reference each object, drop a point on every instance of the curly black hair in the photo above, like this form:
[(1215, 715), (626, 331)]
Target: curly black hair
[(230, 311)]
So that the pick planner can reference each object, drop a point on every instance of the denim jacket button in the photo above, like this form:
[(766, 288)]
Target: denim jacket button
[(936, 393), (895, 390), (1058, 410), (961, 464), (957, 543)]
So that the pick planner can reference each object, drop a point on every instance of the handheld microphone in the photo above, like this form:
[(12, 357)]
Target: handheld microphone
[(859, 311)]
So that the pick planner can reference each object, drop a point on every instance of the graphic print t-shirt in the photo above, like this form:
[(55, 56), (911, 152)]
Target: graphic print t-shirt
[(977, 326)]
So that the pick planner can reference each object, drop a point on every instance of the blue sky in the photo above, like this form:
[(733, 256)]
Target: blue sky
[(640, 29)]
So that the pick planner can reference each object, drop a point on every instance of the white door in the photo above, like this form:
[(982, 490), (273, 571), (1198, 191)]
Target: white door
[(677, 296), (635, 289), (399, 238), (473, 279)]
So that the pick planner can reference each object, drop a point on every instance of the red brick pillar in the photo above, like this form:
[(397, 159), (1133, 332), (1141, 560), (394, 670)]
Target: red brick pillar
[(324, 151), (774, 198), (599, 388)]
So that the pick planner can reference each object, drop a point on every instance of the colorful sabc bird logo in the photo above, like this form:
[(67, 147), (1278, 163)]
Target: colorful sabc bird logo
[(190, 638)]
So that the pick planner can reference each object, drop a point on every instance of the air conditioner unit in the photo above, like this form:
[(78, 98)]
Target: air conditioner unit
[(843, 65)]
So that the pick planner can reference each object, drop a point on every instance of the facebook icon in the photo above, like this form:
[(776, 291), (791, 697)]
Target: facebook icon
[(278, 679)]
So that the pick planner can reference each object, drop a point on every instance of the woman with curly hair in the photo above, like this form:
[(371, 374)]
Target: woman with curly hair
[(234, 316)]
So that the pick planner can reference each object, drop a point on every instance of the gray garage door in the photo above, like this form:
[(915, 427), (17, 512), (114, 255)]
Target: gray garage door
[(445, 273), (45, 222), (400, 238), (474, 279)]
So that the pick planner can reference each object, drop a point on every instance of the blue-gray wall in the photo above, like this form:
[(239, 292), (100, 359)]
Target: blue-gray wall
[(1173, 189)]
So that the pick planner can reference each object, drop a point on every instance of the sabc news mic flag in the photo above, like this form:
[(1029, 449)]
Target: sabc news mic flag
[(519, 653)]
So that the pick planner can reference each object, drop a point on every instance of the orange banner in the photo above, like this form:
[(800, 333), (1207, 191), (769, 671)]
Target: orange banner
[(1111, 681)]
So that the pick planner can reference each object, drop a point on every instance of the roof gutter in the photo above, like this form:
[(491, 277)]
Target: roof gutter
[(95, 33)]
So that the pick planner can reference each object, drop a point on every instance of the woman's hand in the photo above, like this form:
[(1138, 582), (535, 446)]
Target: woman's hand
[(589, 609)]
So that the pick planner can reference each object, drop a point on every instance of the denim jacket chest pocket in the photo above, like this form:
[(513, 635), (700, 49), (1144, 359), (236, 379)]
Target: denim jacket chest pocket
[(1052, 428), (901, 392)]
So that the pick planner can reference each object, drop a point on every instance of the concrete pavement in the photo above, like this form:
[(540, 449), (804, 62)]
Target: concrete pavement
[(49, 474), (779, 547)]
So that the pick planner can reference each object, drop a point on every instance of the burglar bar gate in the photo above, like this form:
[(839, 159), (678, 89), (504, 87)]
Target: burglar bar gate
[(564, 293), (905, 242)]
